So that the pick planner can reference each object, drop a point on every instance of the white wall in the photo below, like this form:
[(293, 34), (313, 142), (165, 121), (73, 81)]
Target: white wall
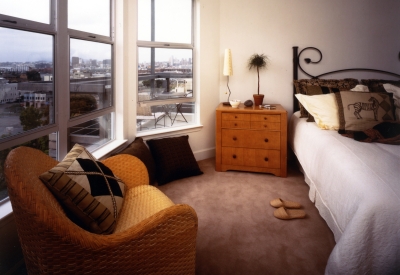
[(207, 76), (357, 33)]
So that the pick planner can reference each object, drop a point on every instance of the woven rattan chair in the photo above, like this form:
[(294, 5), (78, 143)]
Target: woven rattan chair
[(153, 235)]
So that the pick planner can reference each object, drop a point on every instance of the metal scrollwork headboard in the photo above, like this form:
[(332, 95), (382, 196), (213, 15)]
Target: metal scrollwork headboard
[(297, 67)]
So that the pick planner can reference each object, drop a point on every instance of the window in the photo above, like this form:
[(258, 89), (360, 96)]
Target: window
[(165, 64), (56, 76)]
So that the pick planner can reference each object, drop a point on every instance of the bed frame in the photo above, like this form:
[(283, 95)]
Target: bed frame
[(297, 67)]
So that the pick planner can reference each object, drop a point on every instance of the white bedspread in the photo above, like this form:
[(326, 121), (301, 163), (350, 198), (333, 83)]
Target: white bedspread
[(356, 188)]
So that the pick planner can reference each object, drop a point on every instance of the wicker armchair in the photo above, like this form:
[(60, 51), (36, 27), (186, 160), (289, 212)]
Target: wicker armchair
[(153, 235)]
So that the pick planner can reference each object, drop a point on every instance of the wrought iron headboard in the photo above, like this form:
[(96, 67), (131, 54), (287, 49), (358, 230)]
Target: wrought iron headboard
[(297, 67)]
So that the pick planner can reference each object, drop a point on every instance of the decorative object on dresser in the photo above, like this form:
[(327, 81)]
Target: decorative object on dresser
[(228, 70), (258, 61), (248, 103), (251, 139), (235, 103)]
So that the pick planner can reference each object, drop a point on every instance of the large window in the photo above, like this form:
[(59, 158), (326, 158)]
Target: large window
[(165, 64), (56, 76)]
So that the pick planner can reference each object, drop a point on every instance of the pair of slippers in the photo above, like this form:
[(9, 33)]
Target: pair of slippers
[(287, 210)]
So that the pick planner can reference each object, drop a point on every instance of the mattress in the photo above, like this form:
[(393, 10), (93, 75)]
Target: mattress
[(356, 188)]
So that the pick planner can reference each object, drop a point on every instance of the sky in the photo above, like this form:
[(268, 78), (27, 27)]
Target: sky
[(25, 46)]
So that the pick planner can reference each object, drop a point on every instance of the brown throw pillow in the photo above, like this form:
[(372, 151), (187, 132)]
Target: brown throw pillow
[(174, 159), (139, 149), (88, 189), (361, 111)]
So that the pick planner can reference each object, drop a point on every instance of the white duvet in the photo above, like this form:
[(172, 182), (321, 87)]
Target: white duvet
[(356, 188)]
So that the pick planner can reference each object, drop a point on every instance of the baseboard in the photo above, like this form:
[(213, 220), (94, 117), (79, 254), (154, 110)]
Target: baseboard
[(204, 154)]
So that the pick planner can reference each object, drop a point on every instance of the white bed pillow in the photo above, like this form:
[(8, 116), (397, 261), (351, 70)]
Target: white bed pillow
[(396, 96), (323, 108), (360, 88)]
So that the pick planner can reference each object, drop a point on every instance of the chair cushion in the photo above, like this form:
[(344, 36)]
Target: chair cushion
[(139, 149), (174, 159), (145, 201), (88, 189)]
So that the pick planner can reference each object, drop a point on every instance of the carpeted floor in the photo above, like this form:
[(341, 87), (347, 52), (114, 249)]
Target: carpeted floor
[(238, 233)]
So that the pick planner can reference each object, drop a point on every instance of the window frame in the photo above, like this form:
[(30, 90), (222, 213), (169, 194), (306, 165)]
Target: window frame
[(58, 28), (168, 45)]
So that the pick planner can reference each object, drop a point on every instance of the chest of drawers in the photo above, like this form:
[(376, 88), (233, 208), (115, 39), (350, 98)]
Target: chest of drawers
[(251, 139)]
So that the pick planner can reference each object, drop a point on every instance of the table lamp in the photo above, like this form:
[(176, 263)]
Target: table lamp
[(228, 70)]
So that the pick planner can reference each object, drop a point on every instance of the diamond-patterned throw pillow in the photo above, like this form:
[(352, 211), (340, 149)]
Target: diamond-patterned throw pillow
[(361, 111), (88, 189)]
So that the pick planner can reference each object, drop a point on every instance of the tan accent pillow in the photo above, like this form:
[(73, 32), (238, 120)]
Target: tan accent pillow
[(87, 189), (361, 111), (323, 108)]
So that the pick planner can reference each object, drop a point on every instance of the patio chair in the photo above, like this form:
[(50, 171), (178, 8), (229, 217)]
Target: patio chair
[(145, 112)]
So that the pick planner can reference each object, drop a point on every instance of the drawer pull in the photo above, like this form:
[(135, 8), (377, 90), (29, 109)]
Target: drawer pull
[(266, 140), (235, 116), (235, 124), (234, 156), (265, 118), (266, 159), (234, 138), (265, 126)]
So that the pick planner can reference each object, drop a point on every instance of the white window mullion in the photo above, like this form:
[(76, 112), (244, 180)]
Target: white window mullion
[(62, 77)]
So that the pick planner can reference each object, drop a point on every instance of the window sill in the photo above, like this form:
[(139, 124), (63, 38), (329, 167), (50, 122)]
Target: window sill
[(108, 148), (164, 132)]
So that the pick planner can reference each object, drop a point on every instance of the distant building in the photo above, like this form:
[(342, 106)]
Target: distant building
[(34, 99), (74, 62), (8, 91), (107, 63)]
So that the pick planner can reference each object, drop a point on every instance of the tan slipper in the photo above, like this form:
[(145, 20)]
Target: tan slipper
[(287, 204), (289, 214)]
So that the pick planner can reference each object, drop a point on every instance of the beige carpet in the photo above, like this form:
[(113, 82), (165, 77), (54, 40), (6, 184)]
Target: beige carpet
[(238, 233)]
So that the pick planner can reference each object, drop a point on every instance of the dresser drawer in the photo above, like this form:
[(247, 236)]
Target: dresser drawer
[(251, 157), (251, 139), (235, 117), (266, 118), (271, 126), (232, 124)]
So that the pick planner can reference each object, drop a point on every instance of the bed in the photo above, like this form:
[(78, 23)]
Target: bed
[(354, 185)]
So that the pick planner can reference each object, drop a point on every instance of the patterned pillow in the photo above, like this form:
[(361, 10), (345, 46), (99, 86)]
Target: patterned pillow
[(361, 111), (395, 90), (376, 85), (342, 84), (139, 149), (174, 159), (88, 189)]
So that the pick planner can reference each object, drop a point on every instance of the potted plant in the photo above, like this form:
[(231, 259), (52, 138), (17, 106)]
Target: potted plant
[(258, 61)]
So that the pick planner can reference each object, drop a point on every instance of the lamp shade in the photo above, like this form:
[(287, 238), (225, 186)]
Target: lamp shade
[(228, 63)]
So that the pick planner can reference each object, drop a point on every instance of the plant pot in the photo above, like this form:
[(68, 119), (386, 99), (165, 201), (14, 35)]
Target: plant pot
[(258, 99)]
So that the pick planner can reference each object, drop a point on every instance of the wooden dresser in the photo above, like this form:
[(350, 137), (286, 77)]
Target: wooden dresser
[(251, 139)]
